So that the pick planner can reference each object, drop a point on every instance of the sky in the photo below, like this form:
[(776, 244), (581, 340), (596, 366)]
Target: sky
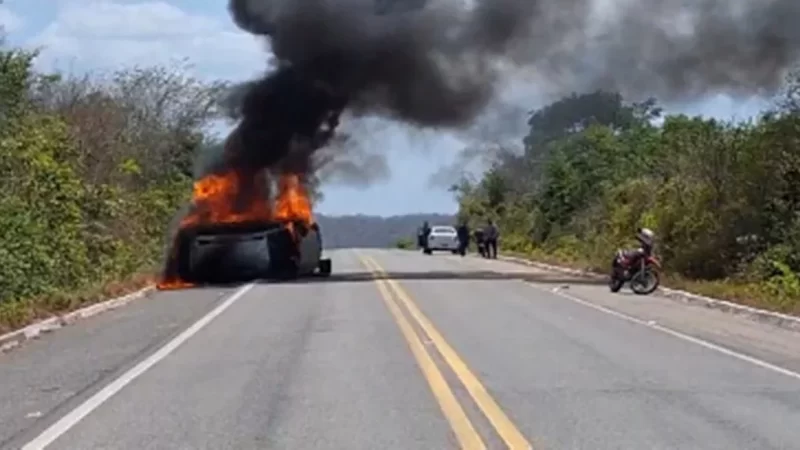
[(80, 35)]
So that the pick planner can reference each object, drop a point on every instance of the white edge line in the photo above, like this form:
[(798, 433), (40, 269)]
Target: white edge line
[(786, 321), (76, 415), (694, 340)]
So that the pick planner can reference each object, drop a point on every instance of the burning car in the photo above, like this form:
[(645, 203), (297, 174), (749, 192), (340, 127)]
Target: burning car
[(235, 233)]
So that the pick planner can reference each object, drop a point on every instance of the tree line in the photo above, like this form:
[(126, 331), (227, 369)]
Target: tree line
[(722, 196), (93, 168), (363, 231)]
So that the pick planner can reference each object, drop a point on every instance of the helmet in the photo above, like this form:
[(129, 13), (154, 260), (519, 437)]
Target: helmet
[(645, 236)]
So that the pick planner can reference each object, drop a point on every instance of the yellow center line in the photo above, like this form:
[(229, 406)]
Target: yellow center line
[(465, 432), (501, 422)]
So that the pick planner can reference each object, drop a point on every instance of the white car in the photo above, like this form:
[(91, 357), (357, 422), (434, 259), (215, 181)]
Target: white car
[(442, 237)]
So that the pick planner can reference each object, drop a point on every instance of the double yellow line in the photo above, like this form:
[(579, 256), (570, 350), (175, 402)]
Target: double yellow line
[(468, 437)]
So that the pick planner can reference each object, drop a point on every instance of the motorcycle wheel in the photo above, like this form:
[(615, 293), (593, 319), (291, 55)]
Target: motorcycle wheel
[(645, 282), (615, 284)]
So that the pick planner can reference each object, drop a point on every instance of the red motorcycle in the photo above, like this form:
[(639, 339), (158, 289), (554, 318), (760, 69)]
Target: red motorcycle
[(639, 270)]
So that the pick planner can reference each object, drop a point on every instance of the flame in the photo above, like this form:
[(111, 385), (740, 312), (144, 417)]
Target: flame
[(238, 196), (229, 197), (234, 196), (173, 284), (171, 280), (293, 203)]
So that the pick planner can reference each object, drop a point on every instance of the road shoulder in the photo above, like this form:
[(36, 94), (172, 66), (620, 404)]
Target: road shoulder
[(575, 376), (55, 370), (761, 315), (763, 340)]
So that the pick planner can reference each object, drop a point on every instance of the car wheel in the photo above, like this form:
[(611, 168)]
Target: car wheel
[(325, 267)]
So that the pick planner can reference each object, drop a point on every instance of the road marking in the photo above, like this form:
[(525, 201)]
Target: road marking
[(76, 415), (510, 434), (465, 432), (694, 340)]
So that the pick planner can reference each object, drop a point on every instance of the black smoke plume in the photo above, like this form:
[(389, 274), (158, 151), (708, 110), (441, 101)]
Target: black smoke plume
[(440, 63), (427, 66)]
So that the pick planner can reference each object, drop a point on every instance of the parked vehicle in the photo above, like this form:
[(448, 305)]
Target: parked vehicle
[(641, 271), (247, 251), (442, 237)]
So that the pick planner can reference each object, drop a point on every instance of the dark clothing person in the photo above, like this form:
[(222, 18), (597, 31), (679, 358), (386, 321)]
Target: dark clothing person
[(492, 234), (491, 248), (463, 239), (422, 236), (480, 242), (646, 238)]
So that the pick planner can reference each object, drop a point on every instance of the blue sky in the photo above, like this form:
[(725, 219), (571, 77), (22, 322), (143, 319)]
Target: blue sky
[(105, 34)]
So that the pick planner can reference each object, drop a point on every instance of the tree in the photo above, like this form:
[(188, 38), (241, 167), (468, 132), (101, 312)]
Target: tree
[(153, 117), (575, 113)]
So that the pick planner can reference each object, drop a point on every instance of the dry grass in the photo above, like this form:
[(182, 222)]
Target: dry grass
[(17, 314)]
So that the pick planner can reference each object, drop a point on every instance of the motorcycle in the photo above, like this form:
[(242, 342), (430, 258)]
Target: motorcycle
[(482, 249), (480, 245), (641, 272)]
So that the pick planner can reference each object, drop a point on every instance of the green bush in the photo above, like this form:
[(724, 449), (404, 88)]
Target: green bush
[(41, 226), (93, 172), (404, 244)]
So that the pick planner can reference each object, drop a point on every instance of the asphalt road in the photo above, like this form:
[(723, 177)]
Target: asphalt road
[(439, 352)]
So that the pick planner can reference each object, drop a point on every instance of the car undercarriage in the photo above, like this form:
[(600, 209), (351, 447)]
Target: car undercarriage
[(228, 253)]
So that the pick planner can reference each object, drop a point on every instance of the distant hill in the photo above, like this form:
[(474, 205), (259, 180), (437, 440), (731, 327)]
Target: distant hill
[(374, 231)]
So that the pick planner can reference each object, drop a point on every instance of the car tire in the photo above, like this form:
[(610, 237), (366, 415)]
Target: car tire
[(325, 267)]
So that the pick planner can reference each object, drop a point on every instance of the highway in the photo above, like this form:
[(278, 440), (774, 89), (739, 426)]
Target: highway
[(398, 350)]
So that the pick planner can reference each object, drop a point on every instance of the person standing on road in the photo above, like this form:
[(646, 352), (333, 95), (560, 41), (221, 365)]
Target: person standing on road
[(424, 233), (492, 234), (463, 238)]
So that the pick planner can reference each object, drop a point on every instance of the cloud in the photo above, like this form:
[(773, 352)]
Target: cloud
[(98, 34), (9, 21)]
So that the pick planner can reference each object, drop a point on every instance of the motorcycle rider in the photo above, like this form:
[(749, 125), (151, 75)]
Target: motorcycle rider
[(422, 235), (492, 234), (646, 238)]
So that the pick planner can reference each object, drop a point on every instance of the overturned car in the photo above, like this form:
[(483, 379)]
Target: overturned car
[(233, 234), (247, 251)]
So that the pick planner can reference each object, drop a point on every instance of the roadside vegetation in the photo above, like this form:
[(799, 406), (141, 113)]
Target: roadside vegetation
[(93, 169), (404, 244), (722, 197), (96, 166)]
